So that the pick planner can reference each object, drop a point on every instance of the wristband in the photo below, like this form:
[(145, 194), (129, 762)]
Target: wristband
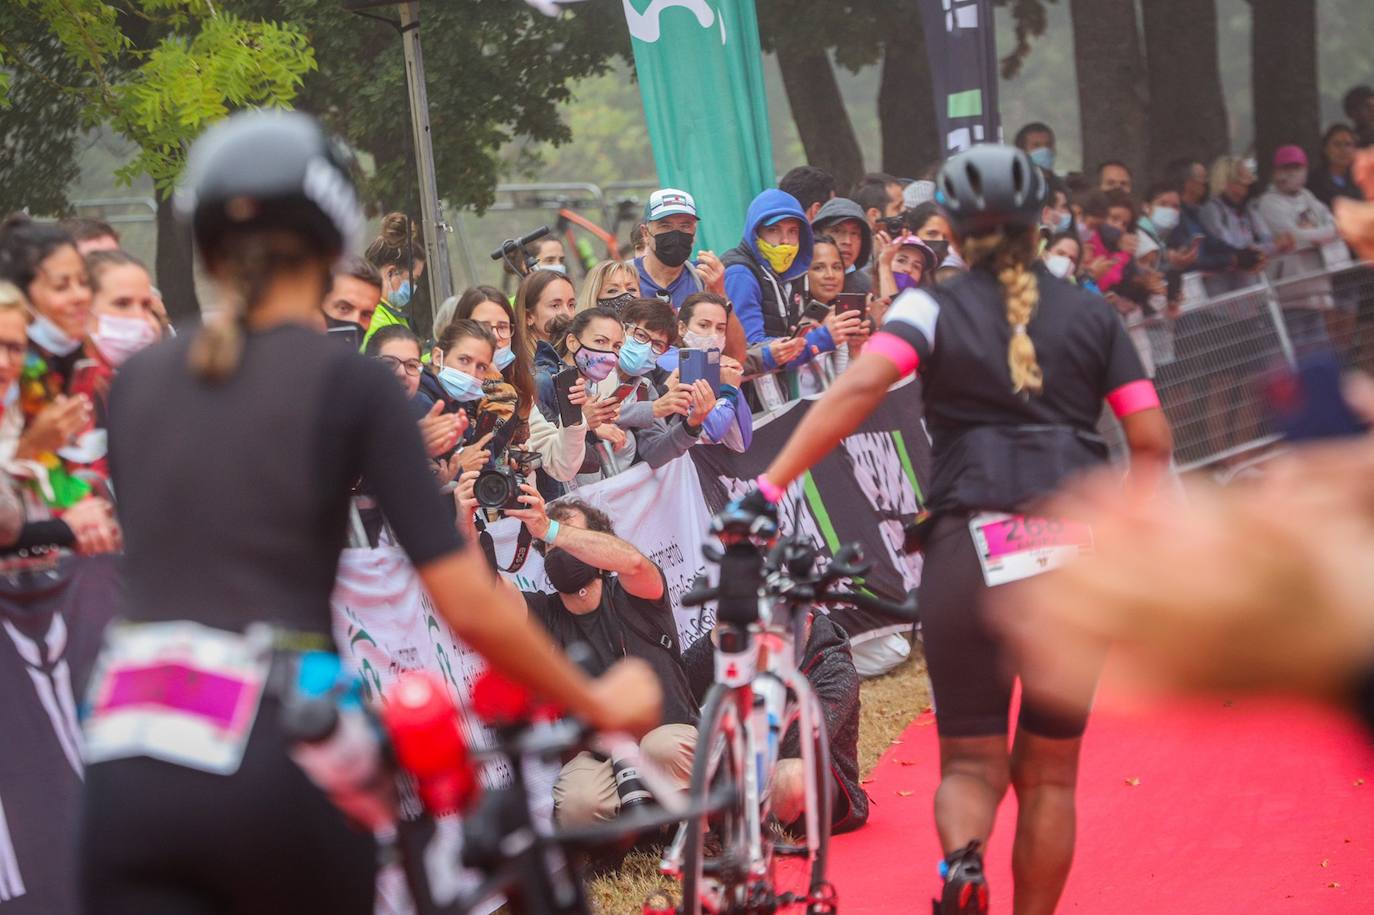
[(551, 534), (770, 490)]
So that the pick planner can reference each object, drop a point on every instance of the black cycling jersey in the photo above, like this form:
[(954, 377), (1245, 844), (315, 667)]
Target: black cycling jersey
[(233, 496), (992, 447)]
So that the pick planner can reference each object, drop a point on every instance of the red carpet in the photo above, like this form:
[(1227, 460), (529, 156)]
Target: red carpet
[(1252, 807)]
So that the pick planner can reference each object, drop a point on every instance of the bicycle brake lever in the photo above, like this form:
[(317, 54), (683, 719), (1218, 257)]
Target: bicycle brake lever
[(700, 593)]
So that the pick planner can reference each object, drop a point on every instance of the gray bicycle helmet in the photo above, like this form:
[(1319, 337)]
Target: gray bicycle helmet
[(989, 186), (270, 169)]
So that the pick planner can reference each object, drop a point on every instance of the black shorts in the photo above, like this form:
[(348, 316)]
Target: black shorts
[(970, 672)]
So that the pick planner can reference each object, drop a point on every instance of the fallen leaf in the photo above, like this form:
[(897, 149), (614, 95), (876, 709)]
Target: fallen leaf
[(1333, 885), (869, 781), (1359, 782), (1326, 862), (1133, 782), (896, 740), (1347, 841), (905, 793), (906, 762)]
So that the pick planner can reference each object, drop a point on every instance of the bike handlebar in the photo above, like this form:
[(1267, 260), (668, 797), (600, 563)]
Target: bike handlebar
[(907, 610), (520, 242)]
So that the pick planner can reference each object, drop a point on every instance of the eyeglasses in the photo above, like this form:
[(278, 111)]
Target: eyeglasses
[(411, 366), (642, 336), (502, 331)]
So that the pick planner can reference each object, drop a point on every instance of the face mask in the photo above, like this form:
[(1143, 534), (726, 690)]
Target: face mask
[(779, 257), (461, 386), (560, 269), (1111, 236), (615, 303), (904, 281), (1043, 157), (1063, 222), (1084, 233), (694, 340), (51, 337), (1059, 265), (401, 297), (503, 357), (595, 364), (1164, 218), (940, 247), (673, 248), (567, 573), (119, 338), (635, 358)]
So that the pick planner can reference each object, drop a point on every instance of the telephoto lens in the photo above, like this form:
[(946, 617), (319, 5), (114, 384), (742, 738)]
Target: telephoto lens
[(633, 794)]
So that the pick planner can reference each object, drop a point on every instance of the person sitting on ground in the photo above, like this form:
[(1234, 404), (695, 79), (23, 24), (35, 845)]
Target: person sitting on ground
[(610, 284), (829, 667), (843, 220), (610, 597), (354, 295)]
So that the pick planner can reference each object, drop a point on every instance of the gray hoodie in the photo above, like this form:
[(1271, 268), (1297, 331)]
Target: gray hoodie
[(838, 209)]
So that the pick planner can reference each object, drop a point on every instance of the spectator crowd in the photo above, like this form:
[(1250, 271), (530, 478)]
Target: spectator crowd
[(521, 400)]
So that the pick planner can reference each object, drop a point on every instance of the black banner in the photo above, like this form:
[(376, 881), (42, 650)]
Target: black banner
[(961, 48)]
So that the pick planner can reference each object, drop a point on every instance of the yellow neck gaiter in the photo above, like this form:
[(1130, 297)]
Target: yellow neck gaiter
[(779, 257)]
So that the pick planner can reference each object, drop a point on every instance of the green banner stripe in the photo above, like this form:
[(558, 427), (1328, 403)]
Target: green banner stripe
[(906, 465), (813, 498), (967, 104)]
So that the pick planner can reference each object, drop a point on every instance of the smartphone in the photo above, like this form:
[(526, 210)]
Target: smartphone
[(569, 413), (623, 391), (815, 311), (1308, 405), (852, 301), (700, 365), (350, 335)]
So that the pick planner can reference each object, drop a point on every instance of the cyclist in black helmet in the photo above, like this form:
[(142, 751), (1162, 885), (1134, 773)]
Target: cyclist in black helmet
[(234, 452), (1015, 365)]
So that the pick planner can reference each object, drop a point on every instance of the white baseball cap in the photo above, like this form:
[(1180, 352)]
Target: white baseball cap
[(669, 201)]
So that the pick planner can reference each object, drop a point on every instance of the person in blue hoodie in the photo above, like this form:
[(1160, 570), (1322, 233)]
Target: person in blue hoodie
[(763, 275)]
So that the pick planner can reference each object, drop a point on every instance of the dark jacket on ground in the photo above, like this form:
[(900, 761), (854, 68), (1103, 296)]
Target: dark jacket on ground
[(829, 668)]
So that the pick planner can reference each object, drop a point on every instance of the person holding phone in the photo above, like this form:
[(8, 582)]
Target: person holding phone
[(701, 325), (228, 822)]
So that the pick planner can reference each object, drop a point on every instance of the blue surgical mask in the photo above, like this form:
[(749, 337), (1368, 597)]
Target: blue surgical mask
[(1063, 222), (635, 358), (51, 337), (461, 386), (560, 269), (401, 297), (1043, 157), (504, 357)]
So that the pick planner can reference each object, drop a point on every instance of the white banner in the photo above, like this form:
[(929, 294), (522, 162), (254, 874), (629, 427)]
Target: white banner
[(661, 512)]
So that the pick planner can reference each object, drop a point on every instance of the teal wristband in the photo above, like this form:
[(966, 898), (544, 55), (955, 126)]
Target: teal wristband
[(552, 533)]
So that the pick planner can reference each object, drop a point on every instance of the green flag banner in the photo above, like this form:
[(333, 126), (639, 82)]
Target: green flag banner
[(701, 75)]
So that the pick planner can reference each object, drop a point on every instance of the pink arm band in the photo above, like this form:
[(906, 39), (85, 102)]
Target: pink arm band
[(771, 491), (895, 350), (1133, 397)]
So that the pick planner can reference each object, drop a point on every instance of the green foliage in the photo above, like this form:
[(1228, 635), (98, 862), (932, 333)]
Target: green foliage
[(156, 71)]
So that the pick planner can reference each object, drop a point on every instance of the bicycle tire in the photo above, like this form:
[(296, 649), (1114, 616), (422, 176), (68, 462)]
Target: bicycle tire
[(718, 761), (825, 797)]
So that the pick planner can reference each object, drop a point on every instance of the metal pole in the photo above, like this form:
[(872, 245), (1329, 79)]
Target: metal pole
[(438, 269)]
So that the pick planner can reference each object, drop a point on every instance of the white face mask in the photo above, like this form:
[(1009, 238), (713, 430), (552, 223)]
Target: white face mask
[(51, 337), (1059, 265), (1164, 218), (118, 338), (694, 340)]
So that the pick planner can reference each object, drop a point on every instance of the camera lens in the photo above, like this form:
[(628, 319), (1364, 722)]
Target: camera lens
[(494, 489)]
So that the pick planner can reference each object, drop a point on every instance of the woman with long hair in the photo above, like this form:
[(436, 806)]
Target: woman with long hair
[(398, 253), (610, 284), (234, 452), (1015, 366)]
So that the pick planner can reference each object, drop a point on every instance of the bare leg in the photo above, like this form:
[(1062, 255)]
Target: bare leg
[(1044, 772), (974, 774)]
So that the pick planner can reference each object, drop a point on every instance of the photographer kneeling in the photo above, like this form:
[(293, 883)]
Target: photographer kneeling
[(613, 599)]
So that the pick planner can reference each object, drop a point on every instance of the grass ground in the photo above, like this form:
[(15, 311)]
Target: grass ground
[(887, 705)]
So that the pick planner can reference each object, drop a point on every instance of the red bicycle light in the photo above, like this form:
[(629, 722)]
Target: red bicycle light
[(426, 734), (500, 701)]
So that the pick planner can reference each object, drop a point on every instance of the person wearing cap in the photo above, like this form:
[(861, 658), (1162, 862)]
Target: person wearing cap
[(666, 269), (905, 264), (1289, 207), (845, 221)]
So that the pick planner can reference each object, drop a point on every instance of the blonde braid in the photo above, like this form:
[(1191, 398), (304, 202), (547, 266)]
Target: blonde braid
[(1006, 257)]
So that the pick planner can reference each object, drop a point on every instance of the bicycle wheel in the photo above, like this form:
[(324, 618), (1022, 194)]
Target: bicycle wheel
[(818, 765), (720, 886)]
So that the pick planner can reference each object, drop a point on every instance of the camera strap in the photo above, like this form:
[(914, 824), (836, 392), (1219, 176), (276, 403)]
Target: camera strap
[(522, 548)]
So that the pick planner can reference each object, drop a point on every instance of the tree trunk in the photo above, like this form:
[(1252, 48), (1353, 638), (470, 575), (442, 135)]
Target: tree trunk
[(1187, 108), (1111, 84), (175, 266), (1283, 46), (906, 104), (820, 115)]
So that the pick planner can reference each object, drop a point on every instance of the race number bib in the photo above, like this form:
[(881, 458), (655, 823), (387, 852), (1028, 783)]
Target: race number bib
[(1012, 547), (180, 692)]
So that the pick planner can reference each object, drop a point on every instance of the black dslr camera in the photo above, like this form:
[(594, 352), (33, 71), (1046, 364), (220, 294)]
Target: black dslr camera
[(498, 486)]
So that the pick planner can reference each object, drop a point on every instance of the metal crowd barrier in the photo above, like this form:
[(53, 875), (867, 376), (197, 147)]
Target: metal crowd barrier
[(1215, 357)]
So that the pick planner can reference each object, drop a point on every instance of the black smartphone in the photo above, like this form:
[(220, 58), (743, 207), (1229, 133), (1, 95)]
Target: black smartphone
[(816, 311), (700, 365), (347, 333), (852, 301), (569, 413), (1308, 405)]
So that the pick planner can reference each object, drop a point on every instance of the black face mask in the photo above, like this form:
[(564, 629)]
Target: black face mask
[(615, 303), (673, 248), (940, 247), (567, 573), (1111, 236)]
